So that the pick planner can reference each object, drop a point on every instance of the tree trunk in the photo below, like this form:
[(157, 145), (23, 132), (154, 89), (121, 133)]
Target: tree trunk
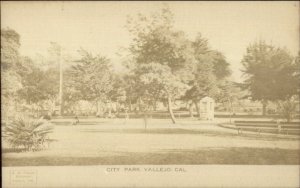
[(98, 108), (198, 109), (264, 103), (109, 109), (130, 106), (145, 119), (154, 105), (231, 109), (171, 111), (288, 119), (191, 109), (140, 105), (61, 108)]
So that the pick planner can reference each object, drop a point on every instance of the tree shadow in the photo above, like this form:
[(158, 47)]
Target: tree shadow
[(12, 150), (210, 156), (183, 131)]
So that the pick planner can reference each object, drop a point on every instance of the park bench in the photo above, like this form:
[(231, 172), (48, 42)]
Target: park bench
[(268, 127)]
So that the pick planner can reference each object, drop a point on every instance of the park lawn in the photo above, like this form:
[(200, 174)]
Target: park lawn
[(119, 143), (230, 156)]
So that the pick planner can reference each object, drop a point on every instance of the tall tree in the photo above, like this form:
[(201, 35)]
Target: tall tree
[(297, 72), (89, 79), (10, 69), (210, 69), (10, 58), (269, 73), (163, 56), (228, 94)]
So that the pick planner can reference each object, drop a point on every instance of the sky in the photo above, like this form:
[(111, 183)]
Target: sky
[(99, 26)]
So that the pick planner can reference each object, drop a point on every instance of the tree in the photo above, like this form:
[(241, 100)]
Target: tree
[(269, 73), (10, 44), (288, 108), (297, 72), (89, 79), (229, 93), (204, 84), (32, 91), (162, 57), (10, 69), (210, 69), (39, 86)]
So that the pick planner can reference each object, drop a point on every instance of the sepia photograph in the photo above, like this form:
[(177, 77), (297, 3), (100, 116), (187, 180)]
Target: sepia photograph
[(150, 94)]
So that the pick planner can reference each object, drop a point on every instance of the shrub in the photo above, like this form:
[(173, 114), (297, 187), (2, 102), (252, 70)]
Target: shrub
[(27, 134), (287, 108)]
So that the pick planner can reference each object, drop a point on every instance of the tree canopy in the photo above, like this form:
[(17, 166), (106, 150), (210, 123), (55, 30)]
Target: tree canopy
[(269, 72), (90, 78), (162, 56)]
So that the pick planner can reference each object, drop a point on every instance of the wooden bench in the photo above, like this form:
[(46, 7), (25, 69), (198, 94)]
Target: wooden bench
[(268, 127)]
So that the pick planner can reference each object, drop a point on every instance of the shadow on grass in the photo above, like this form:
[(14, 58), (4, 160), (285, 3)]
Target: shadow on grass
[(20, 150), (232, 156), (11, 150), (188, 132)]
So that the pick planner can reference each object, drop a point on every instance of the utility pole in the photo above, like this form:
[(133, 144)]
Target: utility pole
[(60, 84)]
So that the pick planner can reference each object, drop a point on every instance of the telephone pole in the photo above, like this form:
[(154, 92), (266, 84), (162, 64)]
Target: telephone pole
[(60, 84)]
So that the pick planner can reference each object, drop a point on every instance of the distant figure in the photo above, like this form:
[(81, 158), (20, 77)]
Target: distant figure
[(76, 121)]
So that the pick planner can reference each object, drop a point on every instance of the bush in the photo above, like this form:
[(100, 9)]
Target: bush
[(287, 109), (27, 134)]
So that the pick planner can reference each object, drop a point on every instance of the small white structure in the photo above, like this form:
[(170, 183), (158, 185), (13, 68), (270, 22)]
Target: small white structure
[(207, 106)]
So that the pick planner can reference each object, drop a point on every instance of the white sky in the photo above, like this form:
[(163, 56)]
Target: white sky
[(99, 26)]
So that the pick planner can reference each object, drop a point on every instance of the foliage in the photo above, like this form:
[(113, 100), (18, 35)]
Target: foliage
[(26, 133), (162, 57), (10, 44), (204, 84), (297, 72), (10, 77), (228, 92), (210, 69), (10, 80), (89, 79), (118, 91), (269, 72), (220, 65), (156, 80), (204, 54), (287, 108), (40, 86)]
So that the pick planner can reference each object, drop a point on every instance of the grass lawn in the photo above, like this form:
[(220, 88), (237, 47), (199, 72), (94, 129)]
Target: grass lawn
[(260, 156), (115, 142)]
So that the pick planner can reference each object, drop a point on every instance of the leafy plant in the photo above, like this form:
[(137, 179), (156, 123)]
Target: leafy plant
[(27, 134), (270, 73), (287, 108)]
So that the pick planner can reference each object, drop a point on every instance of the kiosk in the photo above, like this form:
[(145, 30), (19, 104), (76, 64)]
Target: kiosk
[(207, 106)]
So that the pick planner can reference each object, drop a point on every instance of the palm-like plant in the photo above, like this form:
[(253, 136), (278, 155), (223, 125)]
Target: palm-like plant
[(27, 134)]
